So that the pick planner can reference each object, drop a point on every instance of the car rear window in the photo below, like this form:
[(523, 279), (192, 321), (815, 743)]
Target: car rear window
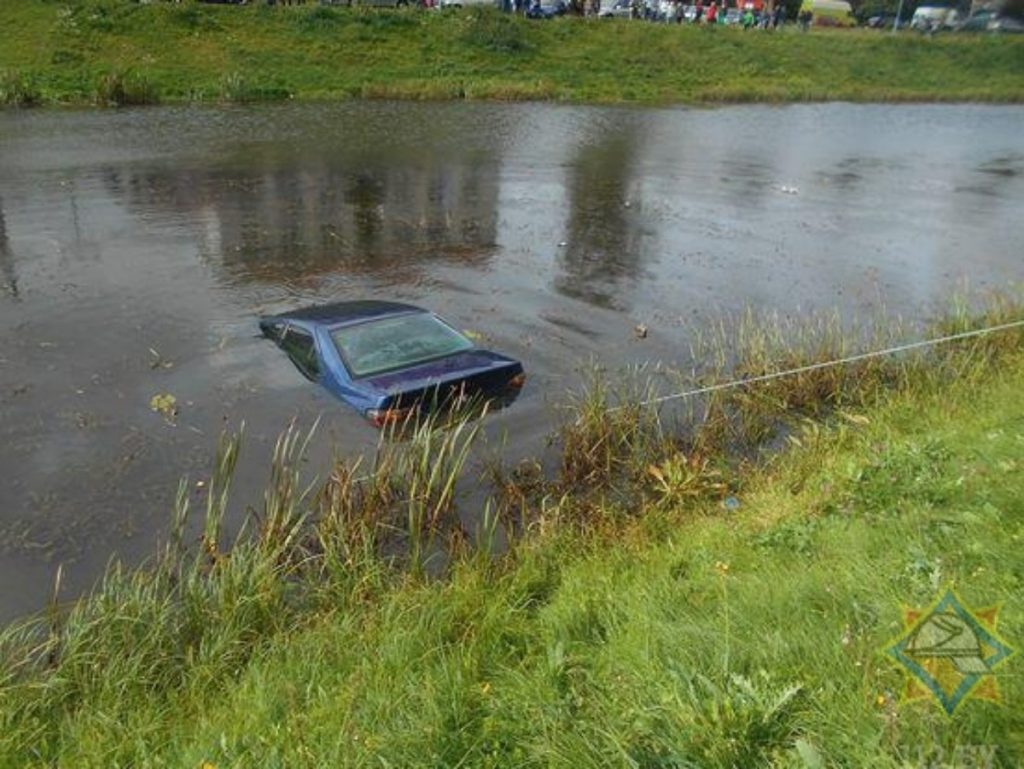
[(395, 343)]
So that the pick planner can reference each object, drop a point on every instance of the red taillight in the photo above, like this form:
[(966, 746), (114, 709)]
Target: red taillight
[(518, 380), (383, 417)]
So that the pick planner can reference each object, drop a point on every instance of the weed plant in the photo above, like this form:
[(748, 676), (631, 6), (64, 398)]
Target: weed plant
[(236, 87), (18, 90), (125, 89), (494, 31)]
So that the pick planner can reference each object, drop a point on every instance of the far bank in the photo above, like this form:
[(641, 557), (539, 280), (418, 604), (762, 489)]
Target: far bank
[(114, 52)]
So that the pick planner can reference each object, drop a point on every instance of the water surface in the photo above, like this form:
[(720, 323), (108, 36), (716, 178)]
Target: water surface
[(138, 247)]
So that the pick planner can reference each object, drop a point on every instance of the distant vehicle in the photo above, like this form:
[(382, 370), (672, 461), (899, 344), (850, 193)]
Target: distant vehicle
[(977, 22), (881, 21), (376, 3), (621, 9), (1006, 24), (462, 3), (390, 361), (934, 17), (829, 13), (546, 9)]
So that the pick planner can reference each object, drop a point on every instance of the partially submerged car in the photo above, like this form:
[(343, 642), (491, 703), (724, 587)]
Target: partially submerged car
[(391, 361)]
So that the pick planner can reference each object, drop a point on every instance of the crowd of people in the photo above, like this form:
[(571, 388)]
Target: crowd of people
[(749, 15), (713, 13)]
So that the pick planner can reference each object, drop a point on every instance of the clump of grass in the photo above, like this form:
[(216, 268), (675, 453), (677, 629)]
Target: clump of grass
[(410, 490), (371, 26), (517, 493), (997, 309), (104, 16), (414, 89), (18, 90), (322, 18), (511, 90), (680, 479), (795, 371), (207, 608), (195, 18), (202, 610), (759, 379), (609, 433), (235, 87), (125, 88), (64, 57), (495, 31)]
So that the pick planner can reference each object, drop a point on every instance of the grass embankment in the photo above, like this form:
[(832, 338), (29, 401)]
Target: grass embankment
[(121, 52), (656, 608)]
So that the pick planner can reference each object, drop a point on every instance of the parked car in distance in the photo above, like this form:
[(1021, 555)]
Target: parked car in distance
[(391, 361), (372, 3), (1006, 24), (977, 22), (881, 21), (462, 3), (620, 9), (546, 9), (934, 17)]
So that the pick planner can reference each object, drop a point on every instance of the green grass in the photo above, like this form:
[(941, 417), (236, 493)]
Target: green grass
[(656, 608), (62, 52)]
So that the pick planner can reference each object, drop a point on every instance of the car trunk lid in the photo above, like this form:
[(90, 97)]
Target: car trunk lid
[(437, 382)]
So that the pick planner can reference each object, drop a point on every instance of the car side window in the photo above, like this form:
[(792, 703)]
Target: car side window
[(301, 349)]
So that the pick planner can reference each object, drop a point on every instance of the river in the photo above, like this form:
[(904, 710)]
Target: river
[(138, 248)]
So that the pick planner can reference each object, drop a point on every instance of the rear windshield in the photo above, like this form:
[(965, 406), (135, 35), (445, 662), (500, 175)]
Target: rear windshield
[(395, 343)]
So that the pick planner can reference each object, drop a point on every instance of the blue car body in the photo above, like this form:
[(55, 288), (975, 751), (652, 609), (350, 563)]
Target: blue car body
[(386, 396)]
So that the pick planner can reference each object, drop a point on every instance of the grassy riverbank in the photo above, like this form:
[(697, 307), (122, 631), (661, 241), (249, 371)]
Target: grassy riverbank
[(664, 602), (118, 52)]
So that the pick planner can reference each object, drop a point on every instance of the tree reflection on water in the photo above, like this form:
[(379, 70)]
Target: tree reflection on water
[(290, 225), (603, 243)]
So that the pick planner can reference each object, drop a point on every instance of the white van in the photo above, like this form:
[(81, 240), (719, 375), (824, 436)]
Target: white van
[(829, 13), (928, 17)]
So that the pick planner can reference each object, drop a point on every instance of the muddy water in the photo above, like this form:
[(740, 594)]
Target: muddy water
[(137, 248)]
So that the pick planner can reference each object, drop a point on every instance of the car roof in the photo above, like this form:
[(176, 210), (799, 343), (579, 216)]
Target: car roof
[(339, 313)]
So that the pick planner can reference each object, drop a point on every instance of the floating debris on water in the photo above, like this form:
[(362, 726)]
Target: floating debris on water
[(166, 405)]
